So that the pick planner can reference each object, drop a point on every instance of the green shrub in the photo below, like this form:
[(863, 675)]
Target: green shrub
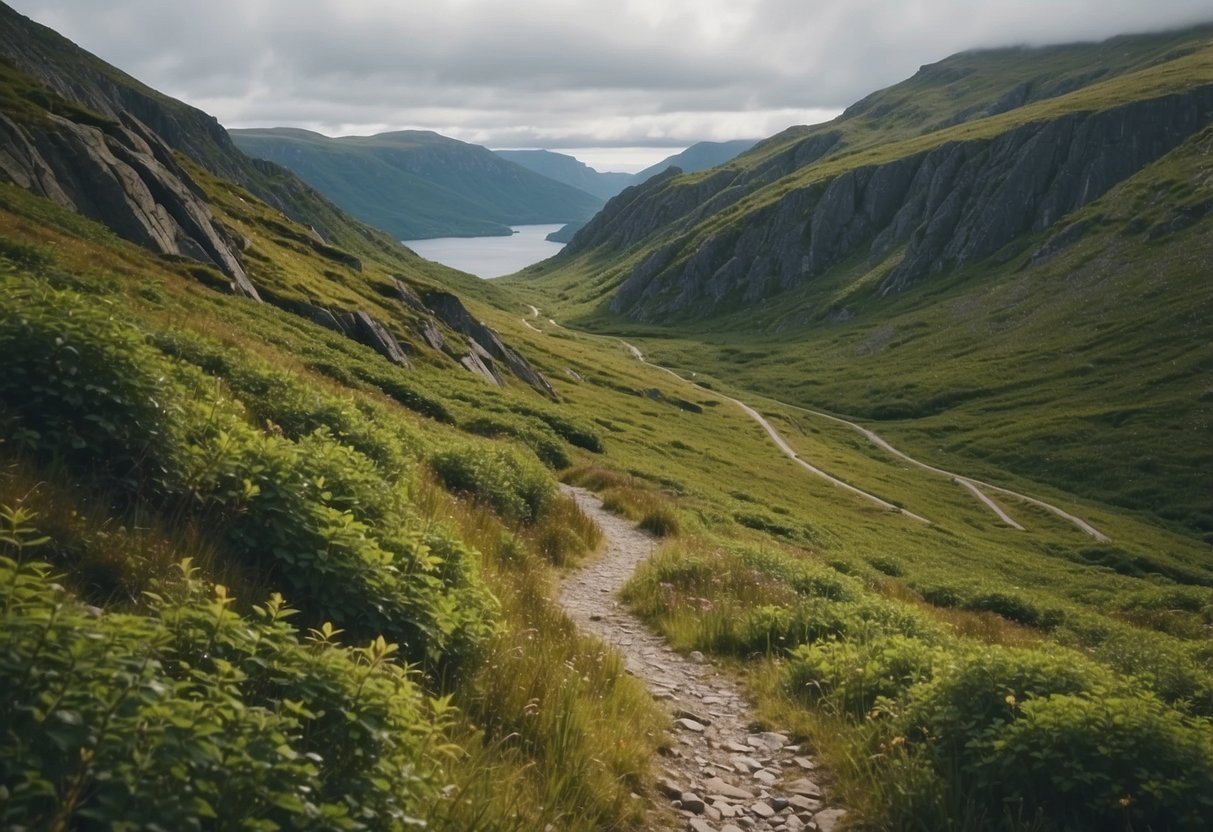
[(78, 384), (1048, 735), (194, 717), (1016, 608), (1174, 671), (575, 434), (775, 629), (310, 513), (1101, 763), (984, 687), (941, 595), (851, 676), (544, 443), (517, 490), (804, 576)]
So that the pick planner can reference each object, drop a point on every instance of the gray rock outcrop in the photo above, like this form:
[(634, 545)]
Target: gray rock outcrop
[(487, 346), (122, 175)]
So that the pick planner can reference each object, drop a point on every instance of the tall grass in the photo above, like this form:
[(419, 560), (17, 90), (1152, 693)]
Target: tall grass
[(557, 732), (652, 510)]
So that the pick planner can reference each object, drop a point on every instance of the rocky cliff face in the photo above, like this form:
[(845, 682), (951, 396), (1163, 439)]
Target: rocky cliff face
[(77, 76), (955, 203), (124, 176), (86, 136), (664, 202)]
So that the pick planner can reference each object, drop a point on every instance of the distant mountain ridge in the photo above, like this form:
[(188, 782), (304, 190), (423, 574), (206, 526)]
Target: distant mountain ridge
[(571, 171), (418, 184), (697, 157)]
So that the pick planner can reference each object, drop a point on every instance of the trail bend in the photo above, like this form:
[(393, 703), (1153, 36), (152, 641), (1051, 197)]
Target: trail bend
[(970, 484), (783, 445)]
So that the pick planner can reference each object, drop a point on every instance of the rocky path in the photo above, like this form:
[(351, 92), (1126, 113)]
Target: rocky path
[(720, 776)]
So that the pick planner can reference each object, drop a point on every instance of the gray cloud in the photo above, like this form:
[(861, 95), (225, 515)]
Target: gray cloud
[(560, 73)]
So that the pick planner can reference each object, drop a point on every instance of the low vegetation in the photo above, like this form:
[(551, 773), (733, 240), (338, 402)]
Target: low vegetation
[(252, 574), (929, 726), (305, 601)]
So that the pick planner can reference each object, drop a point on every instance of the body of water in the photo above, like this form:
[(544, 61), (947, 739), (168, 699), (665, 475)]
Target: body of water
[(490, 256)]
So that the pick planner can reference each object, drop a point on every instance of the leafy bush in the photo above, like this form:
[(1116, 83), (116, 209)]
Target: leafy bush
[(1015, 608), (544, 443), (1102, 763), (517, 490), (76, 385), (1047, 734), (312, 514), (775, 628), (194, 716), (804, 576), (851, 676), (984, 686)]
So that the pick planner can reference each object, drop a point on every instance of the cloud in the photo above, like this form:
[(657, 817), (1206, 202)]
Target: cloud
[(559, 73)]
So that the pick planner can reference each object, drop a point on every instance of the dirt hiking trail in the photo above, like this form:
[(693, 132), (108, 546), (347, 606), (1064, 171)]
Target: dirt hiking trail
[(720, 775)]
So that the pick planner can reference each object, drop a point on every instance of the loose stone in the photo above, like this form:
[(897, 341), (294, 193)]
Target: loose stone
[(805, 786), (692, 802), (827, 820), (805, 804), (762, 810)]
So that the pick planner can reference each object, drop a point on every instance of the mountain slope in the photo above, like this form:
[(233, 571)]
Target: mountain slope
[(562, 168), (417, 185), (862, 239), (928, 109)]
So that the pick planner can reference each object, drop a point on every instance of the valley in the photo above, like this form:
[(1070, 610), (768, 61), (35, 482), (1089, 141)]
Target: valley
[(859, 482)]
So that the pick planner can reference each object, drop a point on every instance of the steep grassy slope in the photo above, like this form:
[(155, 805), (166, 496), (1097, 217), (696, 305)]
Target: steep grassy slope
[(416, 185), (969, 287)]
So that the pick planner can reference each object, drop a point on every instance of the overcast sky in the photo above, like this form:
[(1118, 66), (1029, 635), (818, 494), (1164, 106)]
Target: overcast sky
[(560, 73)]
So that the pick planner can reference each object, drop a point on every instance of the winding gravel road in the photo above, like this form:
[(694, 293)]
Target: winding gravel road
[(782, 443), (970, 484), (973, 486)]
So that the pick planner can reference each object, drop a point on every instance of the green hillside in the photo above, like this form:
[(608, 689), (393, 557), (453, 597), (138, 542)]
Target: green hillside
[(280, 526), (416, 185), (953, 282)]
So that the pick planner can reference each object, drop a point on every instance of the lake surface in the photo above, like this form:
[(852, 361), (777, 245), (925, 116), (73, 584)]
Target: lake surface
[(491, 256)]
